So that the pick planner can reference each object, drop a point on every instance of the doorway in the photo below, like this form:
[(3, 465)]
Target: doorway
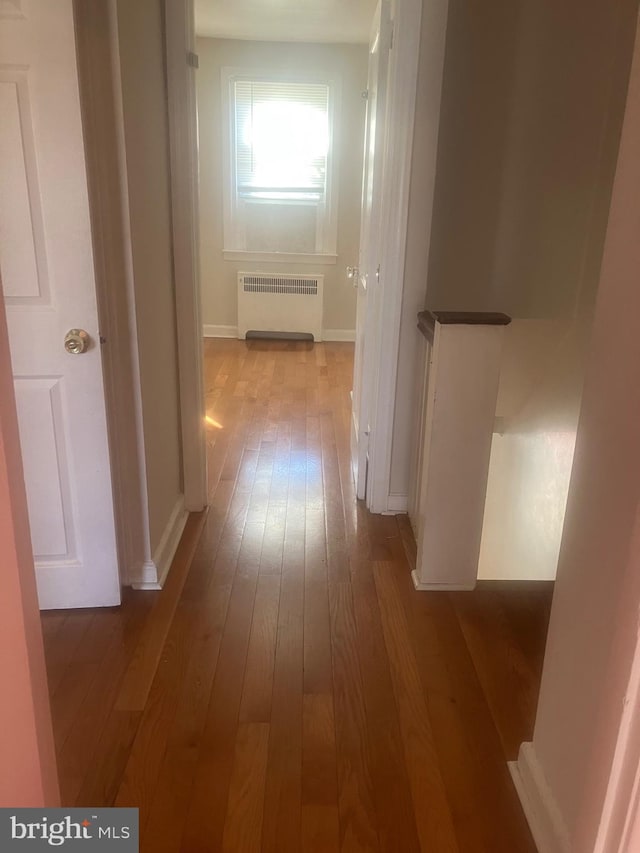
[(296, 215), (221, 268)]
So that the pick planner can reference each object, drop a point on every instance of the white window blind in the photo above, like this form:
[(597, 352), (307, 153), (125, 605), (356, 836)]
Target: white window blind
[(281, 140)]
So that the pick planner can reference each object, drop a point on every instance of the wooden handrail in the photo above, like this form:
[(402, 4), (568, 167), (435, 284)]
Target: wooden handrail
[(427, 320)]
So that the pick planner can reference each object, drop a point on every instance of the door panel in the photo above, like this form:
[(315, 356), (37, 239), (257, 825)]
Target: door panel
[(46, 268), (23, 259), (42, 435)]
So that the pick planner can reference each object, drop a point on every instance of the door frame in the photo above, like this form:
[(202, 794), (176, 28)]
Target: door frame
[(404, 62), (103, 130), (96, 24), (366, 282), (402, 89), (181, 61)]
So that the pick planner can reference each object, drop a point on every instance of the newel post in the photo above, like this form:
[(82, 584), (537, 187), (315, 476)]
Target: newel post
[(464, 359)]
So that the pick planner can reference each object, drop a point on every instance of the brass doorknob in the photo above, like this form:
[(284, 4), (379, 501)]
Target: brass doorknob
[(76, 341)]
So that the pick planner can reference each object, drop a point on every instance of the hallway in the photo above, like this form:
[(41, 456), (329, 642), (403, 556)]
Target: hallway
[(288, 690)]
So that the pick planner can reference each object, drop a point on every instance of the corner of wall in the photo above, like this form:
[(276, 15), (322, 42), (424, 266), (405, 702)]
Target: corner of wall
[(539, 805), (152, 573)]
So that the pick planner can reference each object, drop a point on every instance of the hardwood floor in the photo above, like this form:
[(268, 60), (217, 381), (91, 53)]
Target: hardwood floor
[(288, 690)]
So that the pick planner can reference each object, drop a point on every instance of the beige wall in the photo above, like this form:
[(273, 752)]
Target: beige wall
[(562, 141), (145, 123), (525, 99), (219, 277), (531, 107), (586, 700)]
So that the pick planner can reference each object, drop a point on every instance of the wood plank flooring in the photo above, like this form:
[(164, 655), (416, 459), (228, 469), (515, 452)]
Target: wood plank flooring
[(288, 690)]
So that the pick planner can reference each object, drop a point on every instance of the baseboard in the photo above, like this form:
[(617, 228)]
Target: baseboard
[(153, 573), (210, 331), (147, 577), (439, 587), (213, 331), (397, 504), (338, 334), (538, 803)]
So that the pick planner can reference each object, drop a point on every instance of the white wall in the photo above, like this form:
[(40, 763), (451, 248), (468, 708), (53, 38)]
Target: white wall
[(594, 626), (147, 160), (219, 277)]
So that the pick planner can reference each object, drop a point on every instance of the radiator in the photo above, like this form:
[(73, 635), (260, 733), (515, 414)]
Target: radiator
[(280, 303)]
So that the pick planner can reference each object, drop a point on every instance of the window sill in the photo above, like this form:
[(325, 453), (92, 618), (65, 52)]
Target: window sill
[(280, 257)]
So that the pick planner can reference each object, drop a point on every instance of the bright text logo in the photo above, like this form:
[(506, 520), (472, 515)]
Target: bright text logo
[(71, 829)]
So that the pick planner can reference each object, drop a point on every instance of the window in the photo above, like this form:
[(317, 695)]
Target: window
[(279, 193)]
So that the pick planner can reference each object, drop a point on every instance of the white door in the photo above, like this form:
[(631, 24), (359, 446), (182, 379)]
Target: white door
[(46, 267), (367, 277)]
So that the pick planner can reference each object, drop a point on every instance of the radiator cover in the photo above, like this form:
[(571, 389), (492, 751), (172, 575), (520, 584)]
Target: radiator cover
[(280, 303)]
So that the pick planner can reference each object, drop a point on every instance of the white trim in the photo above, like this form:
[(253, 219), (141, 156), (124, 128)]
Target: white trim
[(439, 587), (323, 259), (400, 120), (398, 504), (622, 801), (338, 334), (543, 815), (153, 573), (631, 834), (366, 281), (180, 40), (213, 331)]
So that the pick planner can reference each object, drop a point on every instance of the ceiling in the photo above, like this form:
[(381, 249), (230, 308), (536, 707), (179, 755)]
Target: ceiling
[(343, 21)]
